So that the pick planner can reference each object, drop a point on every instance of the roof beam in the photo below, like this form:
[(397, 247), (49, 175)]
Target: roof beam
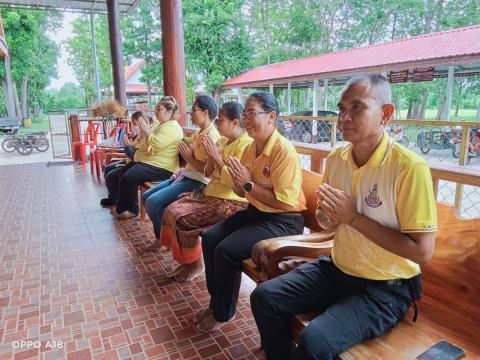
[(98, 6)]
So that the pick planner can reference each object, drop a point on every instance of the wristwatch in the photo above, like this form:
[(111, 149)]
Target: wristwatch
[(248, 186)]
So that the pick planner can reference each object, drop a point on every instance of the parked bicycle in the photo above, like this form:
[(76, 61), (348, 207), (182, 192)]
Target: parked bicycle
[(24, 144)]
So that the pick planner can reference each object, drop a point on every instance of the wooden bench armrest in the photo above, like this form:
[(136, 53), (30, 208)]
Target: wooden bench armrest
[(108, 149), (110, 156), (268, 254)]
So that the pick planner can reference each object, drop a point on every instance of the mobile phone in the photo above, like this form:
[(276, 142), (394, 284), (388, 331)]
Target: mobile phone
[(442, 350)]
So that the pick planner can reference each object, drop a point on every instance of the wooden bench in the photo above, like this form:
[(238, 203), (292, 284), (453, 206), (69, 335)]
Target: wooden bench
[(450, 306), (314, 237), (144, 187)]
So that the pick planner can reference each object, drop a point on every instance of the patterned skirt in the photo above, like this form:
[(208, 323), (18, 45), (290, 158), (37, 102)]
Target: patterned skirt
[(186, 219)]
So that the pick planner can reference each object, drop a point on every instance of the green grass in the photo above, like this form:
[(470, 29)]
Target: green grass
[(38, 124), (463, 114)]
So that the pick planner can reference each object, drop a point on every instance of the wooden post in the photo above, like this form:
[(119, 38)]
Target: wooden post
[(462, 161), (174, 54), (116, 52), (316, 164)]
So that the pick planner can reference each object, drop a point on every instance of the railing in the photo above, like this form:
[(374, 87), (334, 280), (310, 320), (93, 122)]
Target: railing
[(452, 149)]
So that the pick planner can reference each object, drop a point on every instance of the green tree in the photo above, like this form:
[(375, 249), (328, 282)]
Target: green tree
[(69, 96), (80, 55), (216, 45), (32, 59), (143, 41)]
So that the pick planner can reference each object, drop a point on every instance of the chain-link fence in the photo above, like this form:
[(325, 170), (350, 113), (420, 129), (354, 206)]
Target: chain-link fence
[(59, 134), (455, 143)]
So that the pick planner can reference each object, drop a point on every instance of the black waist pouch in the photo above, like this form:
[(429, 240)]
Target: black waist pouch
[(416, 287)]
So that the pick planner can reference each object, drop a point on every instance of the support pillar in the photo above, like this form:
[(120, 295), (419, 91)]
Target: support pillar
[(314, 111), (241, 100), (174, 54), (94, 57), (448, 105), (116, 52), (325, 94), (270, 88), (289, 98)]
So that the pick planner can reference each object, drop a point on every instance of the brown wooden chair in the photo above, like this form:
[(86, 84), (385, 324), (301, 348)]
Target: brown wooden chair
[(450, 306), (315, 241)]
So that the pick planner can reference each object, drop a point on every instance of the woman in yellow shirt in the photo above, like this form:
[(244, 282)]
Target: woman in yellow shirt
[(186, 219), (156, 158), (204, 111), (269, 176)]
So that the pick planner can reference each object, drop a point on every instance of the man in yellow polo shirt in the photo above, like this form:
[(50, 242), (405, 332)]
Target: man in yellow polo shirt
[(269, 175), (381, 195)]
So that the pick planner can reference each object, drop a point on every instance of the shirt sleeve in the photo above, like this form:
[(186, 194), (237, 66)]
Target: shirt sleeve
[(326, 173), (225, 177), (161, 138), (416, 206), (286, 177)]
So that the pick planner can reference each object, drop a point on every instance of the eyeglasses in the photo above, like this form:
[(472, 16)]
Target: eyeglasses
[(193, 110), (171, 98), (253, 114)]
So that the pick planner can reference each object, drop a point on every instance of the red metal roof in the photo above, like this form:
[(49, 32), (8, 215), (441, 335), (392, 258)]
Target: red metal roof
[(457, 46), (129, 71), (138, 89)]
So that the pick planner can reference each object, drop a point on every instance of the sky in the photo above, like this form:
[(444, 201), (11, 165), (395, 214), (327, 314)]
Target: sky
[(65, 72)]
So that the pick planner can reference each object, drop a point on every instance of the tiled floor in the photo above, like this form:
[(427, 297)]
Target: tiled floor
[(75, 284)]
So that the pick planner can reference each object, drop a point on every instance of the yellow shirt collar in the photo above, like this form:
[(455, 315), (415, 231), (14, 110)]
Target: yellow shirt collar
[(270, 143), (207, 129), (376, 159)]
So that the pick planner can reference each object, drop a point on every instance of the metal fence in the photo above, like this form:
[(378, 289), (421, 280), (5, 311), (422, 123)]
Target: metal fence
[(446, 142)]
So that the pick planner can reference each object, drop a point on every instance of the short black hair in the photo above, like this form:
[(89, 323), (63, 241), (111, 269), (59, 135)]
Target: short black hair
[(267, 100), (206, 102), (233, 110)]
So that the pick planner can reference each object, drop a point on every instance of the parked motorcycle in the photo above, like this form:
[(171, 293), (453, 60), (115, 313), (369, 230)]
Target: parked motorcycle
[(397, 133), (473, 143)]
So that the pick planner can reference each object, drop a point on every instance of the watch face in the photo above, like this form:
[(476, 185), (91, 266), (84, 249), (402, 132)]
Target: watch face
[(248, 186)]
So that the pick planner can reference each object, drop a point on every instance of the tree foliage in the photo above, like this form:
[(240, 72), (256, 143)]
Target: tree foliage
[(33, 56), (67, 97), (216, 45), (142, 40), (79, 48)]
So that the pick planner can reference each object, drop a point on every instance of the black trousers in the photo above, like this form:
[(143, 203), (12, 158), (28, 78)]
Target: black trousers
[(112, 166), (353, 310), (122, 183), (226, 244)]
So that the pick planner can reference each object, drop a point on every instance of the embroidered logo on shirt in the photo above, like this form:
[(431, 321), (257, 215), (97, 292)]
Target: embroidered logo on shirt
[(372, 199), (266, 171)]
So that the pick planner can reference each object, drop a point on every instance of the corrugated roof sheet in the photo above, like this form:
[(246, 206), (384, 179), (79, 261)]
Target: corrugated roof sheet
[(436, 49)]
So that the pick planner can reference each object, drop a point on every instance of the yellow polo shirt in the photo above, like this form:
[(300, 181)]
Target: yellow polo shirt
[(199, 152), (277, 168), (221, 184), (393, 188), (161, 147)]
